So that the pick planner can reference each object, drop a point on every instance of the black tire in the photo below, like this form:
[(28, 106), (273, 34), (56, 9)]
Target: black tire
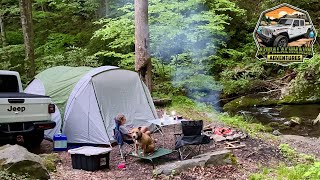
[(280, 41), (307, 35), (34, 138)]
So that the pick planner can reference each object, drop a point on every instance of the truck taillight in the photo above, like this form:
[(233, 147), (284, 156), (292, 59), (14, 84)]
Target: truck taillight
[(51, 108)]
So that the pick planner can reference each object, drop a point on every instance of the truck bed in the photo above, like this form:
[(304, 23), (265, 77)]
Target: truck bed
[(21, 95), (23, 107)]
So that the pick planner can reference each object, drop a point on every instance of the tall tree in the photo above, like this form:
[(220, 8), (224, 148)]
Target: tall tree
[(142, 45), (2, 30), (104, 8), (26, 21), (3, 35)]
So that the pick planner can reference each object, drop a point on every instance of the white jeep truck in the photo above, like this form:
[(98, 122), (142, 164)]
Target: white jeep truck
[(286, 29), (23, 117)]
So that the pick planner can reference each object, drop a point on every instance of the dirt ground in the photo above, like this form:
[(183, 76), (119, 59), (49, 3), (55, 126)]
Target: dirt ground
[(302, 144), (250, 159)]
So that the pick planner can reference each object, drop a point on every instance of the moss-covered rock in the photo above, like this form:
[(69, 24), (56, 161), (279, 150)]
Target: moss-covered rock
[(254, 100), (50, 161), (16, 159), (278, 125), (249, 101), (295, 120), (290, 99)]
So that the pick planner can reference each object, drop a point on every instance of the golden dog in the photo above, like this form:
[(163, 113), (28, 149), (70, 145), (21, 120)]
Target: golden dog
[(143, 140)]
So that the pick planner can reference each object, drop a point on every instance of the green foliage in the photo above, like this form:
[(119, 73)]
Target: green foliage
[(306, 85), (295, 157), (283, 172), (190, 109), (240, 73), (118, 35), (246, 124), (14, 37), (57, 43), (74, 57), (70, 8), (247, 101), (183, 34), (12, 58), (5, 175), (165, 89), (313, 172), (288, 152), (188, 22), (189, 75), (302, 167), (50, 161), (300, 171)]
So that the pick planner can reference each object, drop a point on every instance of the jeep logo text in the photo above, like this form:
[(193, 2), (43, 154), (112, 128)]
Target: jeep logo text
[(16, 109)]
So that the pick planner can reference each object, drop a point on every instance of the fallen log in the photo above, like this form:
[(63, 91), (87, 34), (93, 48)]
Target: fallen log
[(162, 102)]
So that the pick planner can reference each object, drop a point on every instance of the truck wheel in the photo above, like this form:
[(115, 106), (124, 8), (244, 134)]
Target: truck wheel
[(34, 138), (307, 35), (280, 41)]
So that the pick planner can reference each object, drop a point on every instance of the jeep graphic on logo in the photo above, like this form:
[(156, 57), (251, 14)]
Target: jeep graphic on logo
[(284, 35)]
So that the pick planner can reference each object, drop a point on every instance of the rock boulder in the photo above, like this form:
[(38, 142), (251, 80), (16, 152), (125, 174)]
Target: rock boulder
[(17, 159), (208, 159)]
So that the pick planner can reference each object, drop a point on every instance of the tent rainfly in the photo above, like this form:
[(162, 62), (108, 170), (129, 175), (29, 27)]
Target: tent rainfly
[(88, 99)]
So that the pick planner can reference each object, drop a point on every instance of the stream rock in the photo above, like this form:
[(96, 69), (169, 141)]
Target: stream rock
[(295, 120), (287, 123), (250, 101), (17, 159), (316, 120), (276, 133), (215, 158)]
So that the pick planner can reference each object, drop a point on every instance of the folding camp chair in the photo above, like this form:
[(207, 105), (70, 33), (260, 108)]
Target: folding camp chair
[(122, 143), (191, 140)]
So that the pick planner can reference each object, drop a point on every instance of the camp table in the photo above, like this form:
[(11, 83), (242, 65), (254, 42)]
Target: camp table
[(158, 153), (164, 122)]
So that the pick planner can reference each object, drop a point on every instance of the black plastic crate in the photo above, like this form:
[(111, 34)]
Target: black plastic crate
[(90, 161)]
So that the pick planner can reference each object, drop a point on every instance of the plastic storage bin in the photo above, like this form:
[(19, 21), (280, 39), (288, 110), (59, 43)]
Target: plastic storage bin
[(90, 158), (60, 142)]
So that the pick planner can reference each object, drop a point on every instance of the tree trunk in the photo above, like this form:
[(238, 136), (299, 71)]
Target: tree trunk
[(26, 22), (107, 7), (104, 8), (142, 56), (3, 34), (2, 31)]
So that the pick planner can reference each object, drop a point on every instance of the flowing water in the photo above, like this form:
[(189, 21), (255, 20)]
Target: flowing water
[(282, 114)]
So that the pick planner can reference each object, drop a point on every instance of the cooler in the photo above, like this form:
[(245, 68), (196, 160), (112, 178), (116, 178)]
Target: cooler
[(90, 158), (60, 142)]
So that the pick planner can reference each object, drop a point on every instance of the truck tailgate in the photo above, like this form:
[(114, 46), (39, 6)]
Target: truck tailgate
[(24, 108)]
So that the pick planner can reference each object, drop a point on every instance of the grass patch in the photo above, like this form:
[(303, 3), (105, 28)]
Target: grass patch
[(284, 172), (302, 167), (50, 161), (190, 109), (294, 157), (245, 124)]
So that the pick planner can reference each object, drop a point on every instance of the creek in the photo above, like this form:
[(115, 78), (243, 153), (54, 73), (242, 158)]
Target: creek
[(279, 115)]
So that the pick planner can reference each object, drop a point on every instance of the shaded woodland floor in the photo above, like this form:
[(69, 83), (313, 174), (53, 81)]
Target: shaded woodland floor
[(250, 159)]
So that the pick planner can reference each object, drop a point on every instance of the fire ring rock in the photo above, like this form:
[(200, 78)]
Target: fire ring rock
[(18, 160)]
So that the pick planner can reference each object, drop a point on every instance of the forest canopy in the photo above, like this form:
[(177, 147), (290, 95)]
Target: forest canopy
[(197, 46)]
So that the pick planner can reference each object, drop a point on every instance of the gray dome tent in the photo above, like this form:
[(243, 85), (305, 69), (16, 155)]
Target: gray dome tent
[(88, 99)]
